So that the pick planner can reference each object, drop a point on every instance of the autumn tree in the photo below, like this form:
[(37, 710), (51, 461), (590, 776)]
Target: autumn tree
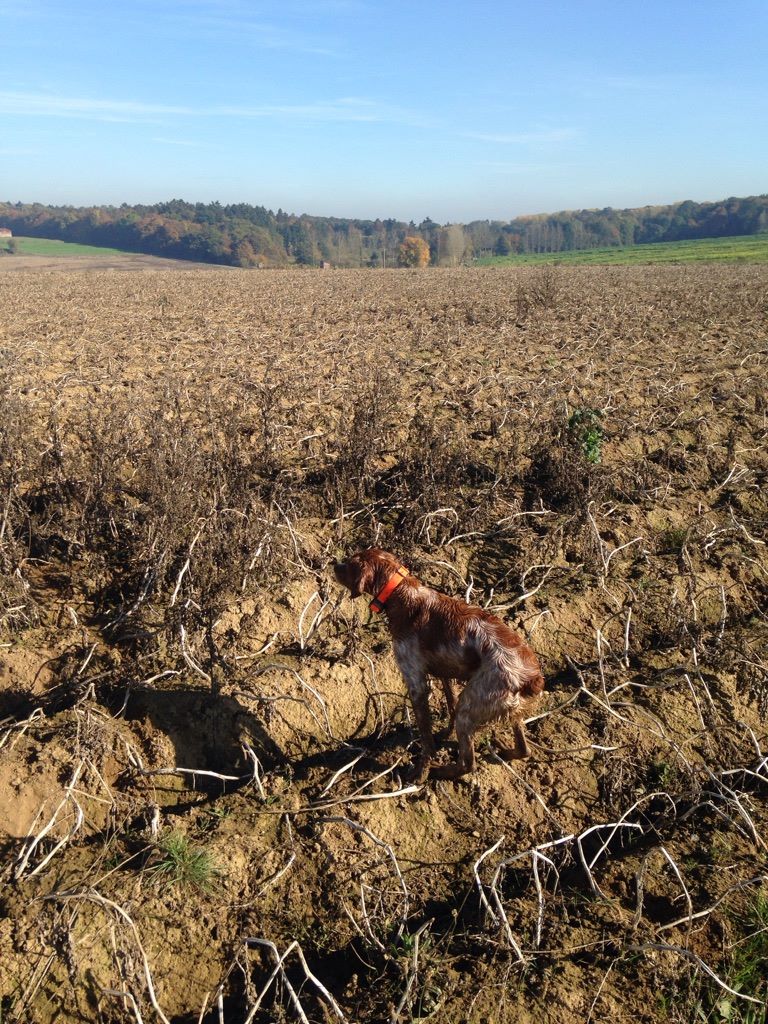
[(246, 254), (413, 252)]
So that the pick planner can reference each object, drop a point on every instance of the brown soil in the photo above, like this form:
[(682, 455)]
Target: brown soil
[(120, 261), (149, 628)]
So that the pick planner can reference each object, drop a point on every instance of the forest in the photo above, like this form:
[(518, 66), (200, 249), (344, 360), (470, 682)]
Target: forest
[(243, 235)]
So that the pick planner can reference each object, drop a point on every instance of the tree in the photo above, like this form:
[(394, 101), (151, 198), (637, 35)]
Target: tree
[(502, 247), (453, 243), (246, 254), (413, 252), (302, 244)]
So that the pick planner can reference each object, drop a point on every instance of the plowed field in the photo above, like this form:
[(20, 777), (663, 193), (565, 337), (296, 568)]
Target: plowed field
[(205, 812)]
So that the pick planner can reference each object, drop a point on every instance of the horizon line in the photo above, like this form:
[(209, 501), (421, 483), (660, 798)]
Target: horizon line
[(400, 220)]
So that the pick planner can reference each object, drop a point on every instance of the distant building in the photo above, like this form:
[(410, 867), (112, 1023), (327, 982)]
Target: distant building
[(6, 233), (325, 265)]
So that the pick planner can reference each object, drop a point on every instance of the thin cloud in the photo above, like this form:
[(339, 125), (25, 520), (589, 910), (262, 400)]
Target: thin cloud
[(19, 151), (534, 138), (347, 108), (352, 109), (262, 34), (325, 7), (652, 85), (510, 168), (15, 9), (639, 83), (26, 104), (175, 142), (286, 27)]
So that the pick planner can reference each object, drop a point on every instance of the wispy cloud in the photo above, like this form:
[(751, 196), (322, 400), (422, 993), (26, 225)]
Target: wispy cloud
[(304, 7), (175, 142), (353, 109), (654, 85), (637, 83), (27, 104), (544, 136), (261, 34), (521, 167), (301, 27), (298, 8), (347, 108), (17, 9)]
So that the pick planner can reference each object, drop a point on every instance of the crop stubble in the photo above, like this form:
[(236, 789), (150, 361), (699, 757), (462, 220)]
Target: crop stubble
[(181, 457)]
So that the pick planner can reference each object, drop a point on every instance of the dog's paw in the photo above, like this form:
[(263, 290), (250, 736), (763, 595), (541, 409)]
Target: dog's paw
[(511, 753), (447, 771), (418, 771)]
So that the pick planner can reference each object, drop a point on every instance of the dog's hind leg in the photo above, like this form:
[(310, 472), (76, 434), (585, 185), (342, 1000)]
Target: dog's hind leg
[(466, 727), (477, 707)]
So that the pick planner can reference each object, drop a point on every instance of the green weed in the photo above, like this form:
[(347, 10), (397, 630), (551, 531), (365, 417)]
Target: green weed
[(213, 817), (749, 967), (584, 426), (672, 540), (184, 865), (744, 971), (661, 775)]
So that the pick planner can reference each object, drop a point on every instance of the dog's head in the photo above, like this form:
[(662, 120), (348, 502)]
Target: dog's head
[(366, 572)]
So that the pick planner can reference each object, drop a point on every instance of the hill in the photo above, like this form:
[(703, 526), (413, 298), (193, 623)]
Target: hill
[(53, 247), (31, 255), (251, 236), (742, 249)]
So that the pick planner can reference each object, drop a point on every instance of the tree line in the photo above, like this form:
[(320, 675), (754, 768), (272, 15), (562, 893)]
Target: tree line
[(251, 236)]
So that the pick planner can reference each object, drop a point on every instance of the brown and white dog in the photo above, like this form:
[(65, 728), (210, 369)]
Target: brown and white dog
[(440, 636)]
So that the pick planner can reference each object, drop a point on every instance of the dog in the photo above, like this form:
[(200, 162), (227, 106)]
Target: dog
[(437, 635)]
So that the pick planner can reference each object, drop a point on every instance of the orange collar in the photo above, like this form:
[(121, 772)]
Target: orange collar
[(377, 604)]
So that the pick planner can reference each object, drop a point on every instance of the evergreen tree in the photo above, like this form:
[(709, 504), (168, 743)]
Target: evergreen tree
[(502, 246)]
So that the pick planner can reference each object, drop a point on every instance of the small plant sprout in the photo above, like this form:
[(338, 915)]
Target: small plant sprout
[(184, 865), (585, 428)]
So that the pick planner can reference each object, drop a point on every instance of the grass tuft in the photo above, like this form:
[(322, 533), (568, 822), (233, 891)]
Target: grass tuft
[(184, 865)]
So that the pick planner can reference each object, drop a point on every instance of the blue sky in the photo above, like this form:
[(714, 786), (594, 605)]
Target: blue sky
[(453, 110)]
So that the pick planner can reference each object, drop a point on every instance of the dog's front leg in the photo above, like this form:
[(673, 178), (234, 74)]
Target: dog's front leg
[(419, 694), (410, 664)]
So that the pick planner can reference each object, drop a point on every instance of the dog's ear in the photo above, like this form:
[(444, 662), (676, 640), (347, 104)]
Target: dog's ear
[(362, 578), (357, 574)]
